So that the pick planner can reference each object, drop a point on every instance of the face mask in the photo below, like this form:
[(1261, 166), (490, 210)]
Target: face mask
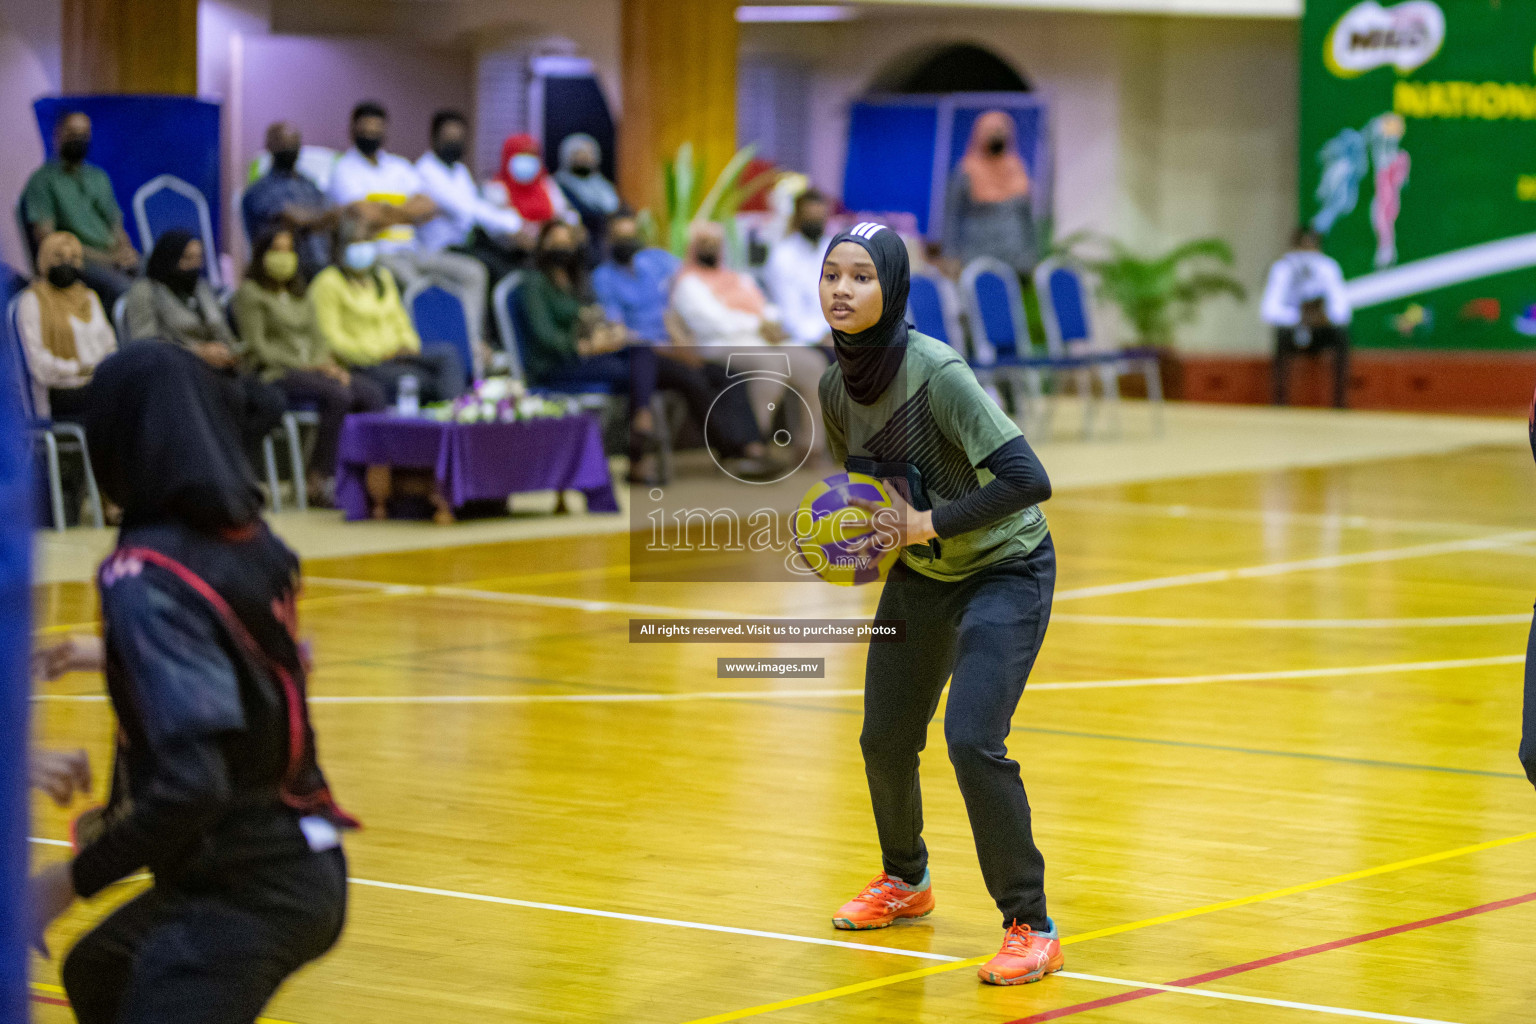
[(285, 160), (582, 171), (184, 282), (995, 146), (558, 257), (708, 258), (73, 151), (813, 229), (624, 250), (281, 266), (62, 275), (360, 256), (524, 167), (450, 153), (368, 145)]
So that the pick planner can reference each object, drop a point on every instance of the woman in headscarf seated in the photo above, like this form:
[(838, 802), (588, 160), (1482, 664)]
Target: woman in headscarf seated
[(580, 177), (173, 302), (725, 314), (987, 210), (216, 788), (366, 326), (278, 325), (567, 344), (522, 183), (64, 329)]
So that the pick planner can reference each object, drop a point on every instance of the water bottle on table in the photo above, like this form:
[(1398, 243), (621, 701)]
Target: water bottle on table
[(408, 397)]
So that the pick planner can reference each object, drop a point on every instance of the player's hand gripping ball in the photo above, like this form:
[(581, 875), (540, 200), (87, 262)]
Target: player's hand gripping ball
[(837, 539)]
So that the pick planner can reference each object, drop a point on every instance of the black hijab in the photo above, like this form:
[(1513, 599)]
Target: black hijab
[(163, 260), (163, 442), (871, 357)]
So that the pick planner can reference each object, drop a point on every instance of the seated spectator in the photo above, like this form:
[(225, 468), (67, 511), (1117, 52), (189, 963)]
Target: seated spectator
[(1305, 302), (634, 282), (64, 328), (724, 312), (580, 177), (68, 194), (278, 326), (467, 222), (174, 303), (793, 272), (385, 191), (284, 198), (522, 184), (568, 344), (366, 327)]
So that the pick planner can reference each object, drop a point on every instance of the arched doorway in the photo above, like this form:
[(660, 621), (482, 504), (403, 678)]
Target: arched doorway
[(949, 68)]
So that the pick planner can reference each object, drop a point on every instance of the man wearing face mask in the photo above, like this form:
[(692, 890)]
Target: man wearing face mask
[(387, 192), (69, 194), (793, 272), (284, 199), (634, 282)]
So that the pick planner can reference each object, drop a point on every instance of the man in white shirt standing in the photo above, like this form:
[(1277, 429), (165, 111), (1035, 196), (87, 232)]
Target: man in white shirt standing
[(793, 272), (388, 191), (1305, 302)]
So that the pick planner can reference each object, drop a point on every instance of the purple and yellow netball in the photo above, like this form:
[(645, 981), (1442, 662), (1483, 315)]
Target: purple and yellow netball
[(830, 531)]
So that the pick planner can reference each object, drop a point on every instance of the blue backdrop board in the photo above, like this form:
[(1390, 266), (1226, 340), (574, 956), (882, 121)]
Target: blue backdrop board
[(566, 98), (136, 138), (15, 645), (902, 150)]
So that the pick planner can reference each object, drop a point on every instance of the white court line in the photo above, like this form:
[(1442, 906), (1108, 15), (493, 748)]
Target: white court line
[(1132, 586), (1337, 1011), (1448, 547), (761, 695), (1324, 520), (1406, 622), (860, 946)]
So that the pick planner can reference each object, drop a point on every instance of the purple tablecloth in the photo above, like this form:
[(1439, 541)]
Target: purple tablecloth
[(476, 461)]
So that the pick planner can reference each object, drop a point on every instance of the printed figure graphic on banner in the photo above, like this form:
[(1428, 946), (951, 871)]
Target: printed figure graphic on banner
[(1391, 164), (1338, 188)]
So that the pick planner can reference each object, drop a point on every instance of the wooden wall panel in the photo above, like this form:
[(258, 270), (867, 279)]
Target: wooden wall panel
[(679, 70), (130, 46)]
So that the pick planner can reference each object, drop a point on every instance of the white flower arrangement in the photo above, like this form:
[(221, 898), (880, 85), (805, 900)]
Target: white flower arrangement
[(497, 400)]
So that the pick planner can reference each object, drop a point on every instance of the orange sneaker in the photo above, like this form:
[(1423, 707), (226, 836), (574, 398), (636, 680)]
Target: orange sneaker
[(1026, 956), (885, 901)]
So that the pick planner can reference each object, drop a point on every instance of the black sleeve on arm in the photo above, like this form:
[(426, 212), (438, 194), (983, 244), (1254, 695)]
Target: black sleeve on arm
[(1018, 482), (186, 694)]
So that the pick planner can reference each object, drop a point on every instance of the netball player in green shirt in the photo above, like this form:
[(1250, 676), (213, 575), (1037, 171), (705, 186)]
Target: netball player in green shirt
[(973, 584)]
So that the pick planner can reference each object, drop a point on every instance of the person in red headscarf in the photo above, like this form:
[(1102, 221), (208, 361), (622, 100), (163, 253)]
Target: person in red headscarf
[(987, 209), (523, 183)]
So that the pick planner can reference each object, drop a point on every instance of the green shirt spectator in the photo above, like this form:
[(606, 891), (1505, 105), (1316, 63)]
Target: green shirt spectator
[(74, 199), (553, 319)]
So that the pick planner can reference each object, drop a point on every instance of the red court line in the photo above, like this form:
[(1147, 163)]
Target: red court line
[(1270, 961), (47, 999)]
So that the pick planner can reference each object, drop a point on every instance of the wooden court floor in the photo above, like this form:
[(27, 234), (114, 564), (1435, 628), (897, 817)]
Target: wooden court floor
[(1270, 745)]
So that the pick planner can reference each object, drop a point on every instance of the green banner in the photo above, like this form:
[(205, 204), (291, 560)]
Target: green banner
[(1418, 166)]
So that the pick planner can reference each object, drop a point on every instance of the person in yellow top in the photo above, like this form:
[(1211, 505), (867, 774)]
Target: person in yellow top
[(366, 326)]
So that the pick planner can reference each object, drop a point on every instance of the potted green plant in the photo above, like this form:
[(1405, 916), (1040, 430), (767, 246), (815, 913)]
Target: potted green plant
[(682, 177), (1155, 294)]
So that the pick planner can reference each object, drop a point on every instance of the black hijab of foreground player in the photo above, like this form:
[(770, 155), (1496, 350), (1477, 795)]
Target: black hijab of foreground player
[(870, 358), (163, 444)]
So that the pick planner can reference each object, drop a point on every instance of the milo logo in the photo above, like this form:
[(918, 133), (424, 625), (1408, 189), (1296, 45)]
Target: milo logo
[(1368, 36)]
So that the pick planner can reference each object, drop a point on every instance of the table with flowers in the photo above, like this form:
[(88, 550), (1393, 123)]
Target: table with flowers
[(492, 443)]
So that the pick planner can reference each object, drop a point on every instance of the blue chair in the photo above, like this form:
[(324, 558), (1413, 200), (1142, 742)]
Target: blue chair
[(512, 328), (1066, 310), (1001, 348), (56, 437), (165, 202), (441, 318), (934, 309)]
